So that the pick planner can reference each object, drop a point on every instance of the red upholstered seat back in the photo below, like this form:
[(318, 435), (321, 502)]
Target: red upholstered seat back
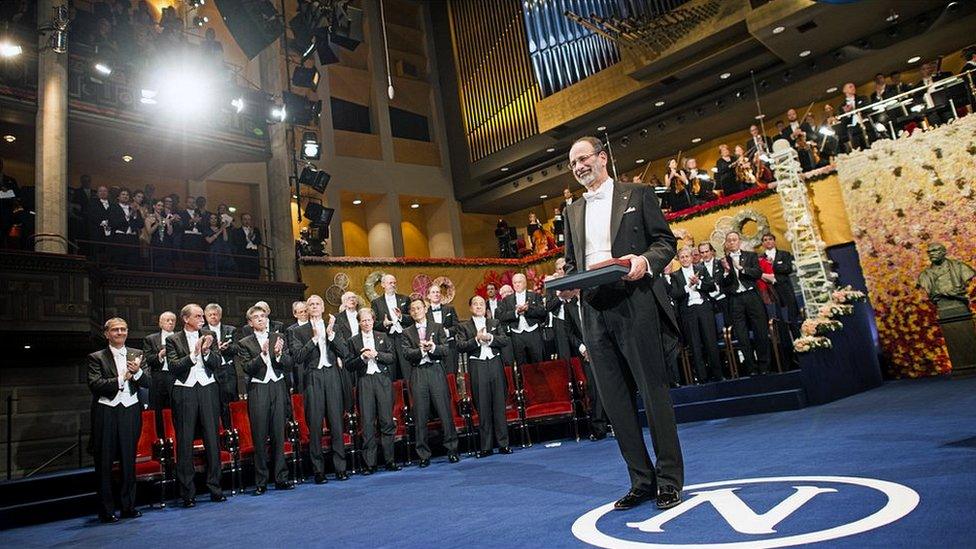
[(240, 420), (546, 382), (511, 407), (147, 437), (401, 428), (298, 410)]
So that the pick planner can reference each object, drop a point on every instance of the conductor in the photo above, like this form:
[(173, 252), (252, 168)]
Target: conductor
[(625, 323)]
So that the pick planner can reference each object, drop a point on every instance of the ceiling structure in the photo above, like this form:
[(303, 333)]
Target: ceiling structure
[(842, 43)]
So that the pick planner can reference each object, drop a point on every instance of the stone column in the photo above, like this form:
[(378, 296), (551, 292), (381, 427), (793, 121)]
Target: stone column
[(281, 239), (51, 156)]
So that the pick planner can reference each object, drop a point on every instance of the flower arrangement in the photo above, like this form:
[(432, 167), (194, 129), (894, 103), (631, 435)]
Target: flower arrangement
[(847, 294), (820, 326), (834, 310), (808, 343)]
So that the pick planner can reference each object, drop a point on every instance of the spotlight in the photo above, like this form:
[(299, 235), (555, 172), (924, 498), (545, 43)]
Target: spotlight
[(301, 110), (725, 75), (311, 150), (278, 113), (805, 53), (696, 140), (915, 59), (232, 209), (305, 77), (126, 158), (197, 3), (415, 205), (643, 132), (640, 161), (148, 97), (9, 138), (357, 201), (551, 150), (9, 49), (778, 30), (659, 104), (316, 179), (543, 196), (238, 104), (832, 89), (601, 129), (319, 215), (200, 21), (505, 169), (624, 141), (103, 68)]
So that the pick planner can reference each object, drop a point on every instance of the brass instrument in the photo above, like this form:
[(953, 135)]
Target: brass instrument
[(744, 172)]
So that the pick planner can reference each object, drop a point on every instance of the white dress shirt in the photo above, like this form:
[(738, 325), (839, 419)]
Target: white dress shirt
[(438, 314), (249, 238), (127, 212), (481, 324), (124, 397), (716, 293), (318, 325), (598, 208), (737, 265), (269, 374), (198, 373), (163, 336), (523, 324), (694, 296), (391, 305), (492, 306), (353, 318), (369, 342), (193, 228), (424, 334)]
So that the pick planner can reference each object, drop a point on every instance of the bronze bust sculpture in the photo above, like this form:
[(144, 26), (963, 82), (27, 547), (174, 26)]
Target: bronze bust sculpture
[(946, 280)]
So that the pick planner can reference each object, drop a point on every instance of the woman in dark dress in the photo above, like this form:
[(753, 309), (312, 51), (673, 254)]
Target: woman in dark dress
[(159, 234), (219, 249), (678, 196), (725, 174)]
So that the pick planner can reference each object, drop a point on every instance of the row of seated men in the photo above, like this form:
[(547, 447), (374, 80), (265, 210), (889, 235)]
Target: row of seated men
[(192, 371)]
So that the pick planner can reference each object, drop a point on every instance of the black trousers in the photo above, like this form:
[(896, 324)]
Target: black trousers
[(623, 339), (403, 365), (428, 383), (722, 307), (266, 413), (116, 431), (698, 324), (488, 386), (227, 380), (598, 415), (564, 349), (323, 395), (749, 313), (195, 405), (161, 396), (376, 405), (528, 346)]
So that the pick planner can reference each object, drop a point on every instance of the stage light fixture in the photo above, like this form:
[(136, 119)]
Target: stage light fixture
[(805, 53), (148, 96), (659, 104), (318, 215), (914, 59), (311, 150), (832, 89), (543, 196), (126, 158), (278, 113), (9, 49), (505, 169), (778, 30), (415, 206), (316, 179), (696, 140), (300, 110), (200, 21), (643, 132), (601, 129), (725, 75), (551, 150), (624, 141), (197, 3), (232, 209), (238, 104), (640, 161), (305, 77), (9, 138), (103, 68), (357, 201)]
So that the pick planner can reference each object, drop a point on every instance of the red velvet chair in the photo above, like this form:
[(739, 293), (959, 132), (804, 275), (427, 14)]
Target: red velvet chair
[(465, 430), (548, 393), (514, 407), (403, 431), (199, 460), (154, 457)]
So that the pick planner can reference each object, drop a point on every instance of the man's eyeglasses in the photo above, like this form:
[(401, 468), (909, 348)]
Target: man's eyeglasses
[(581, 159)]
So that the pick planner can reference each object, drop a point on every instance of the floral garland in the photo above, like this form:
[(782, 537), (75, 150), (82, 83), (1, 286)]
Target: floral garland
[(435, 261), (723, 203), (814, 330)]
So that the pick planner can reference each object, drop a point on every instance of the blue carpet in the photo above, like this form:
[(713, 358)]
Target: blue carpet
[(919, 434)]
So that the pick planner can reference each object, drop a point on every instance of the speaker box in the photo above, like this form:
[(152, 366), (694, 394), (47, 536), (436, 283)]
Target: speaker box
[(253, 23)]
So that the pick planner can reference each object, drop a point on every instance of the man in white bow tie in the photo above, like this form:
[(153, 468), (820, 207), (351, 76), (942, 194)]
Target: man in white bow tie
[(626, 324)]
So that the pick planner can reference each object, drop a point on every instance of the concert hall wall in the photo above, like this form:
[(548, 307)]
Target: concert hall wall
[(900, 197)]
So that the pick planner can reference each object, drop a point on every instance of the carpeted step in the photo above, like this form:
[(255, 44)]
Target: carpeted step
[(737, 387), (775, 401)]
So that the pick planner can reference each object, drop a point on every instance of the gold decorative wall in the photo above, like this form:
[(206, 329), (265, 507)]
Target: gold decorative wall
[(496, 88)]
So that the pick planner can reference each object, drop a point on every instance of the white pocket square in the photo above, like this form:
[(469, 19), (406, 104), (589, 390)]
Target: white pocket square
[(631, 209)]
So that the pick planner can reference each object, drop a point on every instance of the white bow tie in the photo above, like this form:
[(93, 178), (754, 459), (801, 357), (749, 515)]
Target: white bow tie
[(600, 194)]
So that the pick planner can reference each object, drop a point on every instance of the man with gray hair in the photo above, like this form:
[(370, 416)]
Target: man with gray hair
[(392, 317), (347, 322), (227, 376), (154, 350), (523, 312), (300, 311)]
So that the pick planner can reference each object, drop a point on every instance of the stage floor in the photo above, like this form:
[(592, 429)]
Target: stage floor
[(919, 437)]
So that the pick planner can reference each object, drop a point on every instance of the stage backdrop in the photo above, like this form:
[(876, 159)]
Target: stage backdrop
[(331, 276), (901, 196)]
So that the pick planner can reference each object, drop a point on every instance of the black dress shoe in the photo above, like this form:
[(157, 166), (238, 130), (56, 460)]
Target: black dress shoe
[(284, 486), (633, 499), (424, 463), (368, 471), (260, 490), (189, 502), (320, 478), (342, 475), (668, 497), (217, 498), (505, 450), (453, 458), (108, 519), (484, 453), (135, 513), (391, 466)]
